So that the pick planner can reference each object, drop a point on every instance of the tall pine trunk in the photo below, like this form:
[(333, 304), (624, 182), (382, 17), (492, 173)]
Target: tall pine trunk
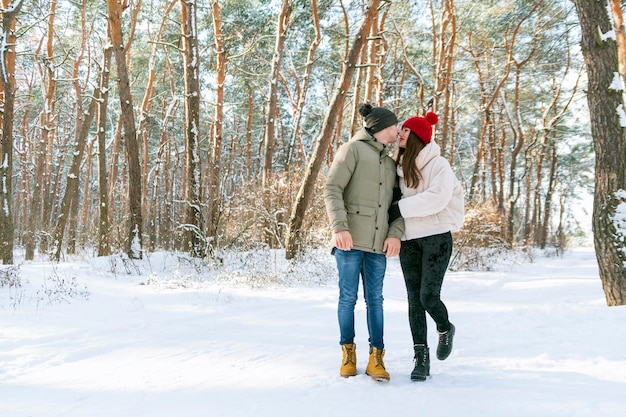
[(215, 173), (69, 202), (295, 139), (7, 89), (609, 141), (70, 196), (269, 137), (104, 241), (47, 118), (135, 224), (192, 239)]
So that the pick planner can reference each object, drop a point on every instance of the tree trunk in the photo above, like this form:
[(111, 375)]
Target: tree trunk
[(215, 160), (104, 240), (529, 163), (83, 123), (135, 226), (620, 34), (355, 117), (81, 215), (48, 127), (162, 189), (444, 55), (192, 239), (148, 205), (299, 110), (7, 91), (70, 197), (601, 59), (370, 64), (335, 109), (23, 195), (269, 137), (553, 159), (550, 121)]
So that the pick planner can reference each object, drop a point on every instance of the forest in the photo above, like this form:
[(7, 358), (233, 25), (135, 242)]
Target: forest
[(140, 125)]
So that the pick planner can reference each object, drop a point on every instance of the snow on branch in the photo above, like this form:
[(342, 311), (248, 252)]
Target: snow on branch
[(617, 84), (608, 35)]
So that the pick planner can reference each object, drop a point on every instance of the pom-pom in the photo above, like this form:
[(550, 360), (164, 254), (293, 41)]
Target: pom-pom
[(365, 109), (431, 118)]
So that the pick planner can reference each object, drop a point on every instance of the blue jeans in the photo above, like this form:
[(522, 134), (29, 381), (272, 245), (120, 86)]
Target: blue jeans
[(352, 265)]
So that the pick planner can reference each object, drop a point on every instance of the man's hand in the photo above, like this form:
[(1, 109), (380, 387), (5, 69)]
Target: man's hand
[(391, 247), (343, 240)]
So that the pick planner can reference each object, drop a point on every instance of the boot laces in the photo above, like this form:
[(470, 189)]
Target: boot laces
[(378, 358), (349, 356), (444, 338), (421, 357)]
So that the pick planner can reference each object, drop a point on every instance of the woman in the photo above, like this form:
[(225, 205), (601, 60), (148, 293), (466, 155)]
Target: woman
[(432, 207)]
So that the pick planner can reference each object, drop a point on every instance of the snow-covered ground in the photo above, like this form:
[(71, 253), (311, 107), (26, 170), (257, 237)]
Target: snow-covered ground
[(93, 337)]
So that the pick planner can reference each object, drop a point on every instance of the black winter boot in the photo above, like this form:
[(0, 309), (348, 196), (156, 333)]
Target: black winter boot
[(422, 363), (445, 343)]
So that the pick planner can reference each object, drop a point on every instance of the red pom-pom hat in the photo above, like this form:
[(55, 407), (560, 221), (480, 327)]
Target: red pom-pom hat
[(422, 126)]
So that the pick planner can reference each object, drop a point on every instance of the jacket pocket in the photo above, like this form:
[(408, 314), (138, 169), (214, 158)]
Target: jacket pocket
[(362, 224)]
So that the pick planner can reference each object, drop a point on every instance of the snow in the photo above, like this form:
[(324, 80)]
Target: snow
[(619, 218), (135, 247), (102, 337), (607, 35), (622, 115), (617, 84)]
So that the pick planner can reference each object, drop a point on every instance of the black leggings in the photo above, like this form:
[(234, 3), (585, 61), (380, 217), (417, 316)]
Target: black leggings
[(424, 263)]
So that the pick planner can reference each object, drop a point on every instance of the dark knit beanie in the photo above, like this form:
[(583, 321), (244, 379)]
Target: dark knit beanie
[(422, 126), (377, 118)]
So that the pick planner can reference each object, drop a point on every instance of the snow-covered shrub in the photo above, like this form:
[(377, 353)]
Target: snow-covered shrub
[(479, 245), (56, 289), (10, 276), (255, 216), (258, 267)]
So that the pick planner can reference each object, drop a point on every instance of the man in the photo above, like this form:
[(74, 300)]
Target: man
[(358, 193)]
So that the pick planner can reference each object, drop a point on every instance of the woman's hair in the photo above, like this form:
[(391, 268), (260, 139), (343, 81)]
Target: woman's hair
[(407, 157)]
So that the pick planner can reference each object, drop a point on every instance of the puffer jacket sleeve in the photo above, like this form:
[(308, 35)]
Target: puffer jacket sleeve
[(435, 197), (339, 177), (396, 228)]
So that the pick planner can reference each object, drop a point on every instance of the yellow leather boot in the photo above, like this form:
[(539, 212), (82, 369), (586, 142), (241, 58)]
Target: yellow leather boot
[(376, 366), (348, 361)]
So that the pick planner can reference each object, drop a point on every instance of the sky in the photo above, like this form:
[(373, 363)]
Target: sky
[(169, 336)]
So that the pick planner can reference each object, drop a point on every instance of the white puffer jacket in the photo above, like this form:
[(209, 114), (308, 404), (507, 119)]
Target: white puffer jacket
[(436, 206)]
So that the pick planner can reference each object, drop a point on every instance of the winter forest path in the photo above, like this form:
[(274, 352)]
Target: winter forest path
[(534, 339)]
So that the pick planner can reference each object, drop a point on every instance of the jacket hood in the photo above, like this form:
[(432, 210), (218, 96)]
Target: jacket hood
[(430, 152)]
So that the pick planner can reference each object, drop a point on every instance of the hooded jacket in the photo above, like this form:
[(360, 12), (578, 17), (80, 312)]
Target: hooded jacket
[(436, 206), (359, 190)]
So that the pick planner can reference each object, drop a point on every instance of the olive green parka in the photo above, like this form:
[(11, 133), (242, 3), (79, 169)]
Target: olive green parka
[(359, 190)]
